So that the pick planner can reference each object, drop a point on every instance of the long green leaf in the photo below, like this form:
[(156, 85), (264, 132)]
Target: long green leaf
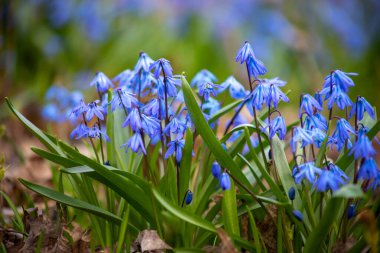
[(58, 159), (229, 211), (201, 125), (187, 156), (18, 218)]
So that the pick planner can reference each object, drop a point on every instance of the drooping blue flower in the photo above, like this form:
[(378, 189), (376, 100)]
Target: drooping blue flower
[(292, 193), (343, 130), (123, 99), (79, 110), (51, 112), (300, 134), (102, 82), (93, 109), (368, 169), (274, 92), (135, 143), (309, 104), (244, 53), (212, 105), (189, 197), (171, 86), (338, 97), (140, 82), (318, 136), (124, 78), (203, 76), (375, 182), (95, 132), (319, 98), (298, 215), (360, 107), (236, 89), (328, 180), (338, 143), (216, 170), (340, 173), (224, 181), (363, 146), (143, 63), (175, 126), (161, 65), (258, 96), (150, 125), (340, 79), (133, 120), (207, 88), (277, 125), (315, 121), (177, 147), (306, 171), (255, 67), (79, 132), (152, 108)]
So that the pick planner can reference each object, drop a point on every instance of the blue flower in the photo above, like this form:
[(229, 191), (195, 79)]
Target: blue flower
[(360, 107), (328, 180), (135, 143), (338, 97), (150, 125), (124, 78), (368, 169), (258, 96), (309, 104), (161, 65), (79, 132), (319, 98), (140, 81), (277, 125), (93, 109), (175, 126), (102, 82), (79, 110), (306, 171), (123, 99), (292, 193), (376, 182), (255, 67), (133, 120), (51, 112), (216, 170), (274, 92), (340, 79), (318, 136), (203, 76), (189, 197), (300, 134), (335, 169), (171, 86), (207, 88), (338, 143), (236, 89), (95, 132), (244, 53), (298, 215), (212, 105), (315, 121), (153, 108), (143, 63), (224, 181), (343, 130), (177, 147), (363, 146)]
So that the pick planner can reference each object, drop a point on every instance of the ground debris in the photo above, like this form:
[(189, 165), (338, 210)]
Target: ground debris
[(225, 245), (148, 241)]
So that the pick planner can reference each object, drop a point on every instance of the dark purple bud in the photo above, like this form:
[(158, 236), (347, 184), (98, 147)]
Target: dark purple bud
[(292, 193), (351, 211), (224, 181), (216, 170), (298, 215), (189, 197)]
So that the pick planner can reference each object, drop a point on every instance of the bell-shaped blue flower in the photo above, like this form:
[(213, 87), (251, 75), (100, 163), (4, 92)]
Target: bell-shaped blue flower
[(368, 169), (150, 125), (177, 147), (244, 53), (124, 78), (206, 89), (143, 63), (300, 134), (255, 67), (360, 107), (343, 130), (175, 126), (216, 170), (212, 105), (133, 120), (135, 143), (79, 110), (318, 96), (224, 181), (375, 182), (328, 180), (309, 104), (277, 125), (340, 79), (102, 82), (95, 132), (274, 92), (306, 171), (203, 76), (337, 97), (79, 132), (318, 136), (258, 96), (152, 108), (363, 146), (236, 89), (123, 99), (161, 65), (93, 109), (315, 121)]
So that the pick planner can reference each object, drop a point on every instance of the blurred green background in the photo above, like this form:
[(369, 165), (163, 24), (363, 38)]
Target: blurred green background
[(64, 42)]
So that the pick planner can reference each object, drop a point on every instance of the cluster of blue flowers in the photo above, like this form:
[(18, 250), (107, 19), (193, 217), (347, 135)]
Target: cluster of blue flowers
[(314, 128)]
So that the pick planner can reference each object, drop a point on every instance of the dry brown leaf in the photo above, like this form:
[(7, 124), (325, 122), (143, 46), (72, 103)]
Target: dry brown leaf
[(149, 241)]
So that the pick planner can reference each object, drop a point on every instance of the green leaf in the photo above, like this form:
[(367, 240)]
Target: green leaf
[(20, 224), (35, 130), (322, 151), (187, 156), (314, 242), (229, 211), (67, 200), (201, 125), (58, 159), (350, 191)]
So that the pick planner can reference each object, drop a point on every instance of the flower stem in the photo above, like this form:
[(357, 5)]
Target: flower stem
[(91, 141), (101, 141)]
